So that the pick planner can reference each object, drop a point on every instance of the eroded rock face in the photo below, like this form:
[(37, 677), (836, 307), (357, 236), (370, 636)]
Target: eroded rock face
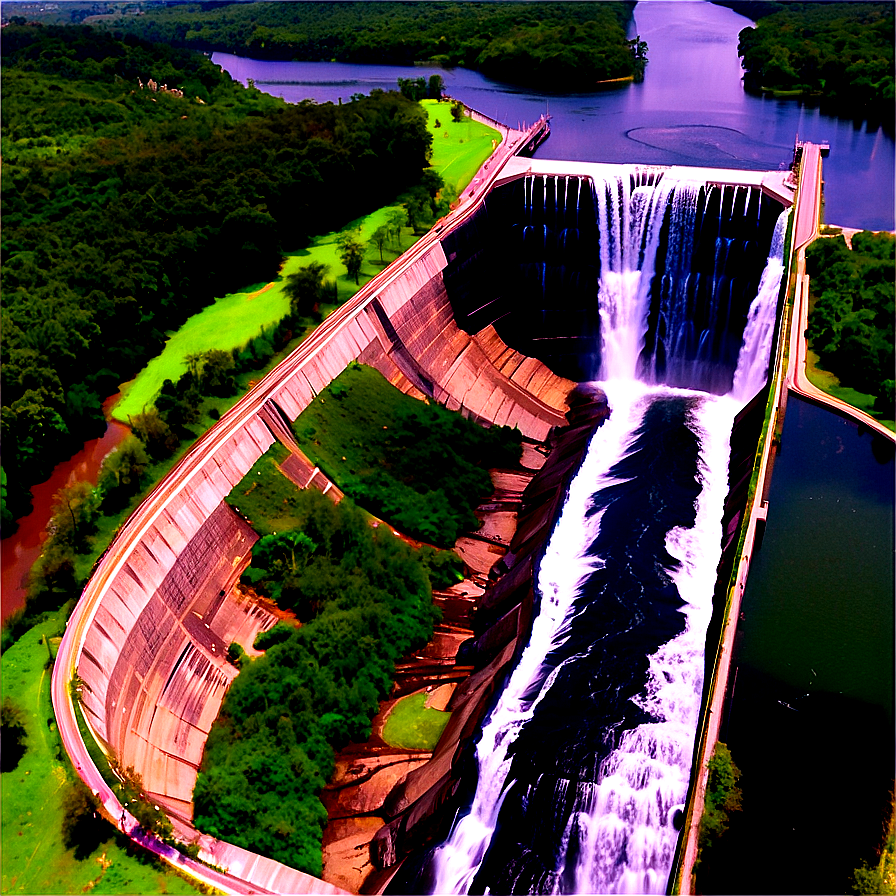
[(420, 807)]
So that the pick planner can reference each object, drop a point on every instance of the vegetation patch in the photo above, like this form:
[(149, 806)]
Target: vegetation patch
[(411, 725), (148, 201), (841, 52), (50, 838), (419, 466), (555, 45), (365, 600), (723, 796), (851, 318)]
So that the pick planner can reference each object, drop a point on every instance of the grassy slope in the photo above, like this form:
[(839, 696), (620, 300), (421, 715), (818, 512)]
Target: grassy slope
[(34, 859), (412, 726), (828, 382), (234, 319)]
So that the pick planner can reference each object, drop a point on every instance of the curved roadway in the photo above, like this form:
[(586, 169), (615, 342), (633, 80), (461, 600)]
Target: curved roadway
[(247, 408)]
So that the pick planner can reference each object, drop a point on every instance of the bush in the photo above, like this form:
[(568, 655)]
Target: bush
[(13, 735), (723, 796)]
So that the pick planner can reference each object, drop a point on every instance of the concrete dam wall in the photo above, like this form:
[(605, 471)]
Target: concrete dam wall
[(157, 617), (152, 630)]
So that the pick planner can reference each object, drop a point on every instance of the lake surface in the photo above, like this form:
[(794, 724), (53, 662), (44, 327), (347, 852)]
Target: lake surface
[(691, 109)]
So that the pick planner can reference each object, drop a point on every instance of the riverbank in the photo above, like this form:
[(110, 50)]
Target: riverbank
[(459, 150)]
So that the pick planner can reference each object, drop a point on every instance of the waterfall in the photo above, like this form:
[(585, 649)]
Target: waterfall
[(627, 824), (584, 762), (755, 354), (566, 563)]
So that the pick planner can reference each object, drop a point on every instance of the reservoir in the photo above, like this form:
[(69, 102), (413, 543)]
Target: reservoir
[(691, 109)]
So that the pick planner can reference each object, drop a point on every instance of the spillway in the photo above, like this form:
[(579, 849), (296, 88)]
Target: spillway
[(584, 761)]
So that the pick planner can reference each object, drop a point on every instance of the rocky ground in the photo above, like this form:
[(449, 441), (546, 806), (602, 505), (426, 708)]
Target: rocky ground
[(366, 773)]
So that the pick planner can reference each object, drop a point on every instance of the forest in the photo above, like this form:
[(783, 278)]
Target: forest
[(839, 52), (560, 46), (851, 324), (139, 183), (270, 751)]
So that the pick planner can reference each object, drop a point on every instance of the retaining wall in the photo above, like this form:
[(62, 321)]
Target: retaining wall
[(158, 615)]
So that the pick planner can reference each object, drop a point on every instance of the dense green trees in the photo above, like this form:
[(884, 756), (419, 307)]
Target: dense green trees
[(418, 465), (127, 208), (561, 46), (851, 322), (365, 601), (842, 52)]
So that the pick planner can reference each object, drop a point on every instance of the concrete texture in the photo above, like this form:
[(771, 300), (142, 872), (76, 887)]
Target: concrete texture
[(149, 637)]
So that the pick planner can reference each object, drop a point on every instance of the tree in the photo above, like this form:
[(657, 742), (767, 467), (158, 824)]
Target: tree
[(75, 515), (435, 87), (723, 796), (414, 88), (160, 442), (351, 253), (13, 735), (306, 288), (380, 235), (457, 111), (216, 373), (397, 220), (122, 474)]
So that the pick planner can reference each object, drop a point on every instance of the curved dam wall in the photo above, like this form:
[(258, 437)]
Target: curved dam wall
[(158, 615), (156, 618)]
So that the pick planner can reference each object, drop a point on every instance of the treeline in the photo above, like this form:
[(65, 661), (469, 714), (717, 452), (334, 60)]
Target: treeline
[(367, 602), (841, 52), (851, 322), (193, 186), (566, 46)]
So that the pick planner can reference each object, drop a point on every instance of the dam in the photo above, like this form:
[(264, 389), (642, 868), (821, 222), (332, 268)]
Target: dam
[(495, 313)]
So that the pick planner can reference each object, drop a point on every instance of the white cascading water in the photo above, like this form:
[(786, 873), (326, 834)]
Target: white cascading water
[(564, 567), (622, 824), (755, 353)]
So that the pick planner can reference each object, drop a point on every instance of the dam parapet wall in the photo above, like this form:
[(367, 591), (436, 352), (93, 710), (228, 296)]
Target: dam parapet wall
[(149, 638)]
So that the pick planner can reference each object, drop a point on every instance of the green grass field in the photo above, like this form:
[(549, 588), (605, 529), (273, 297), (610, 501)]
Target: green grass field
[(411, 726), (459, 149), (34, 858), (828, 382)]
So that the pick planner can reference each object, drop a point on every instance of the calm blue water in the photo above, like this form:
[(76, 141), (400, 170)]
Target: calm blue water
[(691, 109)]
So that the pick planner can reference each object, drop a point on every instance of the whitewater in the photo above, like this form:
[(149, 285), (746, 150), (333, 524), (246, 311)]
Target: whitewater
[(622, 829)]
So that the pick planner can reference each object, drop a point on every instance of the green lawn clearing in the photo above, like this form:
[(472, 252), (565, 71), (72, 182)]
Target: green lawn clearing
[(458, 148), (236, 318), (412, 726), (828, 382), (34, 859)]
